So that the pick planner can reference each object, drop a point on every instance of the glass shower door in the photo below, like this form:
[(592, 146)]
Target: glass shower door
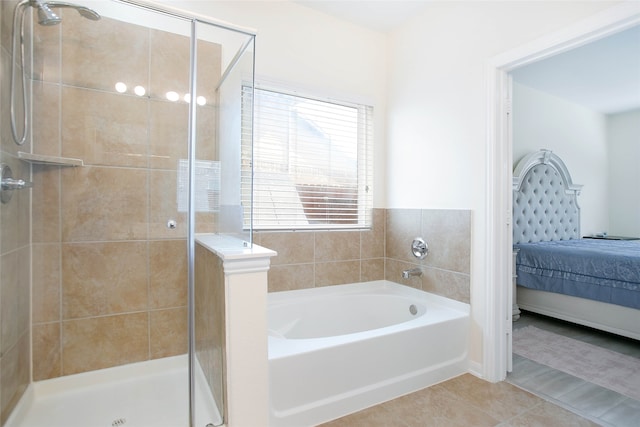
[(15, 230), (224, 65), (109, 241), (120, 155)]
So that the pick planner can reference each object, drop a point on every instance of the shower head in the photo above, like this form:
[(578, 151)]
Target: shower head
[(47, 17), (88, 13)]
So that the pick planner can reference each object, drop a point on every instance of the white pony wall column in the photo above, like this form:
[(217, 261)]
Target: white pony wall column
[(246, 357), (247, 347)]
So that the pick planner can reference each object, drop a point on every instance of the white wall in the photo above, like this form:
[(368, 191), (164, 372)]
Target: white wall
[(437, 133), (315, 53), (428, 85), (624, 166), (575, 133)]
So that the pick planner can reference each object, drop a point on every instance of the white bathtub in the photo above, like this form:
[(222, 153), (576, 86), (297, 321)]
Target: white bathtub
[(339, 349)]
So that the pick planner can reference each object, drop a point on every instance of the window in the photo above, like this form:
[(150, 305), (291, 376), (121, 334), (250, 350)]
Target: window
[(312, 163)]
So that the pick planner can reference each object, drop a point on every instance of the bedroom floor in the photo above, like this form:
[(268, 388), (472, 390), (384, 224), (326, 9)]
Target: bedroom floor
[(603, 406)]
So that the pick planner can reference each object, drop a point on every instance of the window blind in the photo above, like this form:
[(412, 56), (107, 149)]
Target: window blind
[(312, 162)]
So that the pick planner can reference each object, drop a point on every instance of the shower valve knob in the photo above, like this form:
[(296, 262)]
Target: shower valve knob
[(15, 184), (172, 224), (419, 248), (9, 184)]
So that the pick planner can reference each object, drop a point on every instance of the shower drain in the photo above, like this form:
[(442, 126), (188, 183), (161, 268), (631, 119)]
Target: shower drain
[(119, 422)]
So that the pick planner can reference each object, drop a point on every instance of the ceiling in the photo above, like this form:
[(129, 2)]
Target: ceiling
[(603, 75), (377, 15)]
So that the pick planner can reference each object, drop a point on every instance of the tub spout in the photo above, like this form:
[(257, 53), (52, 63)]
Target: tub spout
[(410, 273)]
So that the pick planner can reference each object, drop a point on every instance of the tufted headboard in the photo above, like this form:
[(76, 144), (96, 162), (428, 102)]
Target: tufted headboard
[(545, 205)]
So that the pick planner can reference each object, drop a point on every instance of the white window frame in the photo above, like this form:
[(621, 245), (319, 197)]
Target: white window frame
[(364, 180)]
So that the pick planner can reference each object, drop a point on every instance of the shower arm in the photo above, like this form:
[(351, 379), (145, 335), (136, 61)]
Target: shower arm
[(61, 4), (58, 4)]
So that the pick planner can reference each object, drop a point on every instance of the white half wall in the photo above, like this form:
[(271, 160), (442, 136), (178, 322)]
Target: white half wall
[(578, 135), (624, 173)]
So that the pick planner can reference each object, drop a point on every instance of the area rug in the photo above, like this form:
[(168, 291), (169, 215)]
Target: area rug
[(606, 368)]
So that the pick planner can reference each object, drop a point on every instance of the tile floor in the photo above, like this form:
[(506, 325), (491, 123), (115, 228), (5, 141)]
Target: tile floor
[(465, 401), (533, 395), (603, 406)]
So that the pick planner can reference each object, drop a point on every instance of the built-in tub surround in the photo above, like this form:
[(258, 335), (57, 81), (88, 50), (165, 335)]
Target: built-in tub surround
[(446, 268), (309, 259), (109, 275), (338, 349)]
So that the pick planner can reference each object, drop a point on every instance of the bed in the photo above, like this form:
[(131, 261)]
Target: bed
[(592, 282)]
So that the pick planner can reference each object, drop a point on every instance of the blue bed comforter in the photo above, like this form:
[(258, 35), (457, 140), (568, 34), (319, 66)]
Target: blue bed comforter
[(602, 270)]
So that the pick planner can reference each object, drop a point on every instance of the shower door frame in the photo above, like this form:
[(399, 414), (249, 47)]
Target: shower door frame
[(193, 78)]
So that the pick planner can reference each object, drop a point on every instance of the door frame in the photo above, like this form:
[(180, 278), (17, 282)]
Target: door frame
[(499, 165)]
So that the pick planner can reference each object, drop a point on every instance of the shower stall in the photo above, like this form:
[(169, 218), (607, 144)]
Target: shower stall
[(121, 126)]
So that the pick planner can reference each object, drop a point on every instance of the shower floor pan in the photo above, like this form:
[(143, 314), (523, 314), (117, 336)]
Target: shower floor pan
[(145, 394)]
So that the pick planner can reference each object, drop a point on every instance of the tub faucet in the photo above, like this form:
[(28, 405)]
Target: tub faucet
[(410, 273)]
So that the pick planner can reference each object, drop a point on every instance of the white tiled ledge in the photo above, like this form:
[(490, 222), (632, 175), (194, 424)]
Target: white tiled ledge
[(49, 160), (230, 248)]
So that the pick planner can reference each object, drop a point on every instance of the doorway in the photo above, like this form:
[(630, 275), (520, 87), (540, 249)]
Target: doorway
[(497, 340)]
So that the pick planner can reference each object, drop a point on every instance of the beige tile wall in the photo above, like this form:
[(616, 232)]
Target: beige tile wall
[(15, 251), (320, 258), (446, 269), (210, 345), (110, 278)]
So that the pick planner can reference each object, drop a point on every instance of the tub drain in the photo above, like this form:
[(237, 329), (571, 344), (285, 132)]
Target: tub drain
[(413, 310), (119, 422)]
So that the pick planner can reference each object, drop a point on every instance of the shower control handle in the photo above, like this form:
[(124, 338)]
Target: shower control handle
[(9, 184), (15, 184), (419, 248)]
